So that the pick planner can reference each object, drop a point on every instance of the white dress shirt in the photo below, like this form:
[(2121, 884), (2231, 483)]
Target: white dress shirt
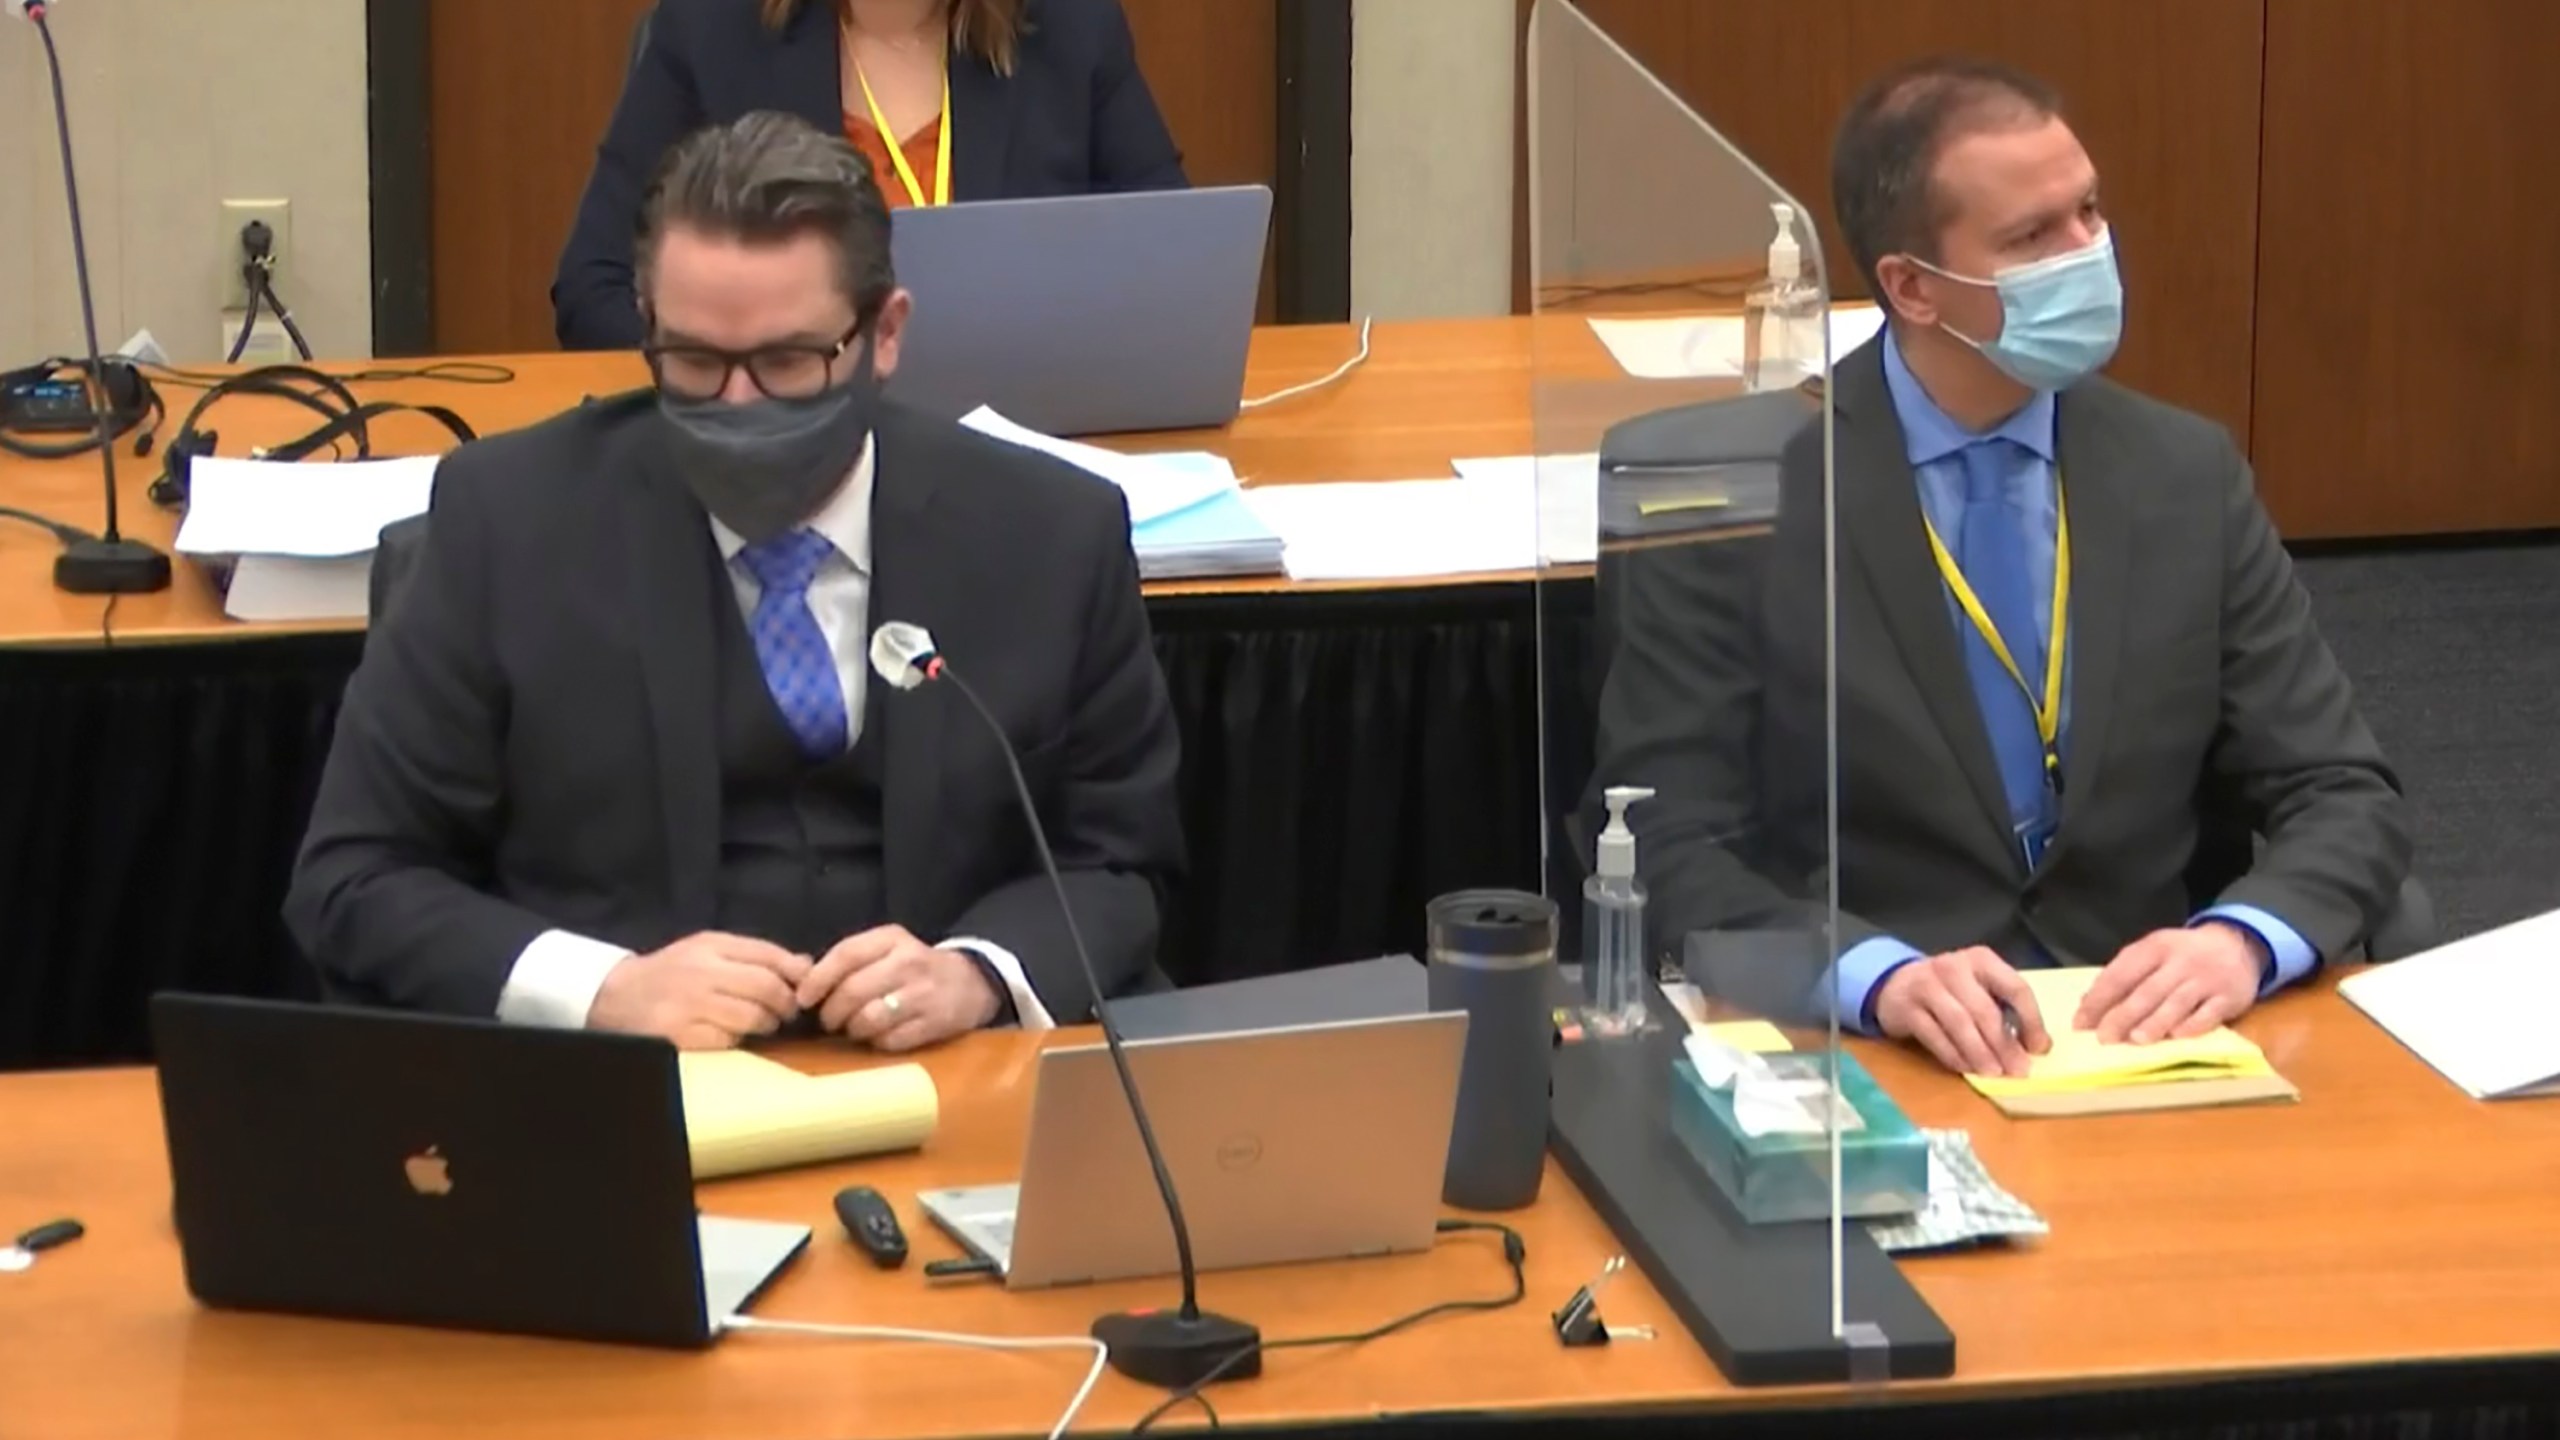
[(554, 982)]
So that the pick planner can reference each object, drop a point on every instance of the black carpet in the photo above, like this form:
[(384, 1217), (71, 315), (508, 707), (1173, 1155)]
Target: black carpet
[(2455, 654)]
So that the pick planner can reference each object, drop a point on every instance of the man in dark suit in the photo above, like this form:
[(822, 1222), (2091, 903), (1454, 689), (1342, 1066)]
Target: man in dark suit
[(2062, 618), (613, 759)]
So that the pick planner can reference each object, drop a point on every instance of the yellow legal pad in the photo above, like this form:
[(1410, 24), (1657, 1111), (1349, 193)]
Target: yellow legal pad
[(743, 1112), (2076, 1075)]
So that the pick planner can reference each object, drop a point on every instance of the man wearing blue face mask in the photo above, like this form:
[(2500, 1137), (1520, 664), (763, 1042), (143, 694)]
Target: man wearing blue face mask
[(614, 759), (2066, 631)]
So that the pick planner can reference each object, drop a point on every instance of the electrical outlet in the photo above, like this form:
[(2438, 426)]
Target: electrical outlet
[(236, 215), (268, 344)]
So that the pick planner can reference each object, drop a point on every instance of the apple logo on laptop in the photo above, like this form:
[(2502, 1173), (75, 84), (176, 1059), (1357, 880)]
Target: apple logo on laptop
[(429, 1174)]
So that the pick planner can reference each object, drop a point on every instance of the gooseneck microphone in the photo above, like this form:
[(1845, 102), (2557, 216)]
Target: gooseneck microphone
[(107, 564), (1175, 1350)]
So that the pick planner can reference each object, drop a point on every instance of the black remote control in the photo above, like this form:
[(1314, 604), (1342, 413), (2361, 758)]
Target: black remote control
[(871, 1224)]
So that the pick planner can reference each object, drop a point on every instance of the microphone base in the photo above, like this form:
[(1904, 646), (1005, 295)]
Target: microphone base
[(110, 567), (1161, 1348)]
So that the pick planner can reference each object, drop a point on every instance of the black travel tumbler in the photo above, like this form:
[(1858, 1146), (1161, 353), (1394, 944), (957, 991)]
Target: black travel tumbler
[(1493, 955)]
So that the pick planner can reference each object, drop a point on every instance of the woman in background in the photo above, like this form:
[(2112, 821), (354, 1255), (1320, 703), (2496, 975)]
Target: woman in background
[(949, 100)]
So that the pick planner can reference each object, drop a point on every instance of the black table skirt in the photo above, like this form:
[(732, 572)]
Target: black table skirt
[(1345, 758)]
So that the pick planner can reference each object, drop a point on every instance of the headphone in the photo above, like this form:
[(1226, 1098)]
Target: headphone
[(24, 400), (342, 417)]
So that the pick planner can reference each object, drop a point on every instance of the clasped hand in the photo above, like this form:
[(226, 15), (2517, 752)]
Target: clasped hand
[(710, 991), (1976, 1014)]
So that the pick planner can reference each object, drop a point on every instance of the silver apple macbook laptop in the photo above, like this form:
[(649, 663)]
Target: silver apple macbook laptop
[(375, 1166), (1083, 314), (1313, 1142)]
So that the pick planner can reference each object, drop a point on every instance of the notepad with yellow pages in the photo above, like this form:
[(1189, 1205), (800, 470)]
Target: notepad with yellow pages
[(2082, 1075), (744, 1113)]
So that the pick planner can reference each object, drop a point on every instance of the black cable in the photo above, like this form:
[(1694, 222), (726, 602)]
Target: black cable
[(284, 316), (67, 534), (98, 397), (107, 624), (1515, 1254), (248, 321)]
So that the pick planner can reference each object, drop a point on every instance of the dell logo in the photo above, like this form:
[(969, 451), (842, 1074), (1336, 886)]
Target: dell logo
[(428, 1173), (1239, 1152)]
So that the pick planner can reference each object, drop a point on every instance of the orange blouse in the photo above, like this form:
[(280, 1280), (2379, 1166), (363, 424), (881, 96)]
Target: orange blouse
[(921, 150)]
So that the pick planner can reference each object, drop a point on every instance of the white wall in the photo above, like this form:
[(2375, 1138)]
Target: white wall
[(177, 105), (1431, 157)]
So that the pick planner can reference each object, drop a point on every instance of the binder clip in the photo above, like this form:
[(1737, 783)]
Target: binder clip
[(1579, 1324)]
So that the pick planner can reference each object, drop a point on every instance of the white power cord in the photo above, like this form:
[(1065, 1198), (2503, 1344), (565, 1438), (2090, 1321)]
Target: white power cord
[(1092, 1375), (1345, 368)]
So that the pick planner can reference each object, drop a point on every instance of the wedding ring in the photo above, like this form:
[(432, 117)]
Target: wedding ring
[(890, 1003)]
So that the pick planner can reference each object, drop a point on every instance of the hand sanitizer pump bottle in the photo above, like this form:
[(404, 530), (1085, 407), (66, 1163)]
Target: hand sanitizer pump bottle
[(1613, 948), (1782, 319)]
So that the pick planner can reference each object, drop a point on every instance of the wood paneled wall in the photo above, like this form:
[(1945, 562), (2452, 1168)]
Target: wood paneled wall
[(520, 91), (2408, 359), (2334, 219)]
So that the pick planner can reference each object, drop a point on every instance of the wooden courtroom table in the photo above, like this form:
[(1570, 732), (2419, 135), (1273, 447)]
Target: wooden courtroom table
[(1431, 392), (2385, 1219)]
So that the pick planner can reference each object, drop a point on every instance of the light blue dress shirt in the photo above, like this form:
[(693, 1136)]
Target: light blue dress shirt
[(1933, 441)]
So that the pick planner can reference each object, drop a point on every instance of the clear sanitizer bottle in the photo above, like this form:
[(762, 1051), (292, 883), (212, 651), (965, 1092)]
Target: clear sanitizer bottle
[(1782, 317), (1613, 946)]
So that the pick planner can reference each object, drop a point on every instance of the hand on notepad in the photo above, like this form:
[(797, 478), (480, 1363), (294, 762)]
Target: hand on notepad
[(1966, 1007), (2171, 984), (704, 992)]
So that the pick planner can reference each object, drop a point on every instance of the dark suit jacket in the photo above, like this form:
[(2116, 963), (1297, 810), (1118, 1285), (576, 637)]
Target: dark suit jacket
[(1075, 117), (529, 741), (2196, 669)]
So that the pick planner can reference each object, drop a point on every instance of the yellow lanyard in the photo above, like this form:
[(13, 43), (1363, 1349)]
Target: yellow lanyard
[(2047, 708), (898, 152)]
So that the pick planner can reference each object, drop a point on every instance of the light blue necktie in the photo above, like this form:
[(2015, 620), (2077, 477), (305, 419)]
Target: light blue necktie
[(1992, 551), (790, 648)]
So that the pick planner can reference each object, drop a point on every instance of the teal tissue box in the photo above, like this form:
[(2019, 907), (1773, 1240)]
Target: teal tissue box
[(1884, 1162)]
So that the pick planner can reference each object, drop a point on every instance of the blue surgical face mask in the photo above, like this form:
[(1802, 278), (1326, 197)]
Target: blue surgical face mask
[(2060, 318)]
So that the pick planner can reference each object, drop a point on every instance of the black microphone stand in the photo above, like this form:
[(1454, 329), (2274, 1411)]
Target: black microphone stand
[(107, 564), (1176, 1349)]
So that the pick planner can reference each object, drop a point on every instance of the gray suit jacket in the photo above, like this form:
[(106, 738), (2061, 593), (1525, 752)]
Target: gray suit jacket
[(2201, 694)]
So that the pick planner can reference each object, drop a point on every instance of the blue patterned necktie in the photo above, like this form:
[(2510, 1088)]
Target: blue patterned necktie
[(1992, 550), (790, 648)]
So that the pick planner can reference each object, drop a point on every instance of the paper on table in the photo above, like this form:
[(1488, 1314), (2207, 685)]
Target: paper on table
[(1701, 347), (1157, 485), (2080, 1061), (296, 587), (1399, 529), (268, 507), (743, 1112), (2479, 1010), (1567, 494)]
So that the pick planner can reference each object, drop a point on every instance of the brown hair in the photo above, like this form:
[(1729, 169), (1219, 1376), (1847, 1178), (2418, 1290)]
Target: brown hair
[(765, 178), (1883, 163), (988, 29)]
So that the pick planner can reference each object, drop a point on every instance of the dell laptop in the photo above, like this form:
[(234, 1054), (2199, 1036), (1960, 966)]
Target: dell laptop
[(1313, 1142), (417, 1169), (1083, 314)]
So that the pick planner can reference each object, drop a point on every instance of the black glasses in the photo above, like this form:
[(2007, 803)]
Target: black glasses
[(781, 372)]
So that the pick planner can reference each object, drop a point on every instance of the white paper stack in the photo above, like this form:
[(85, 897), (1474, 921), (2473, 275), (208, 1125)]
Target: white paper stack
[(300, 537), (1187, 515), (2479, 1010)]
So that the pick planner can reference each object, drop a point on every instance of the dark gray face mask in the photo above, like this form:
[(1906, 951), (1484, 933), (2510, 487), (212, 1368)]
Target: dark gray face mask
[(765, 466)]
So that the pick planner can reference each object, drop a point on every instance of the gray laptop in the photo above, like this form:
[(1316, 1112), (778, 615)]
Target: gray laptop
[(1083, 314), (373, 1166), (1314, 1142)]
